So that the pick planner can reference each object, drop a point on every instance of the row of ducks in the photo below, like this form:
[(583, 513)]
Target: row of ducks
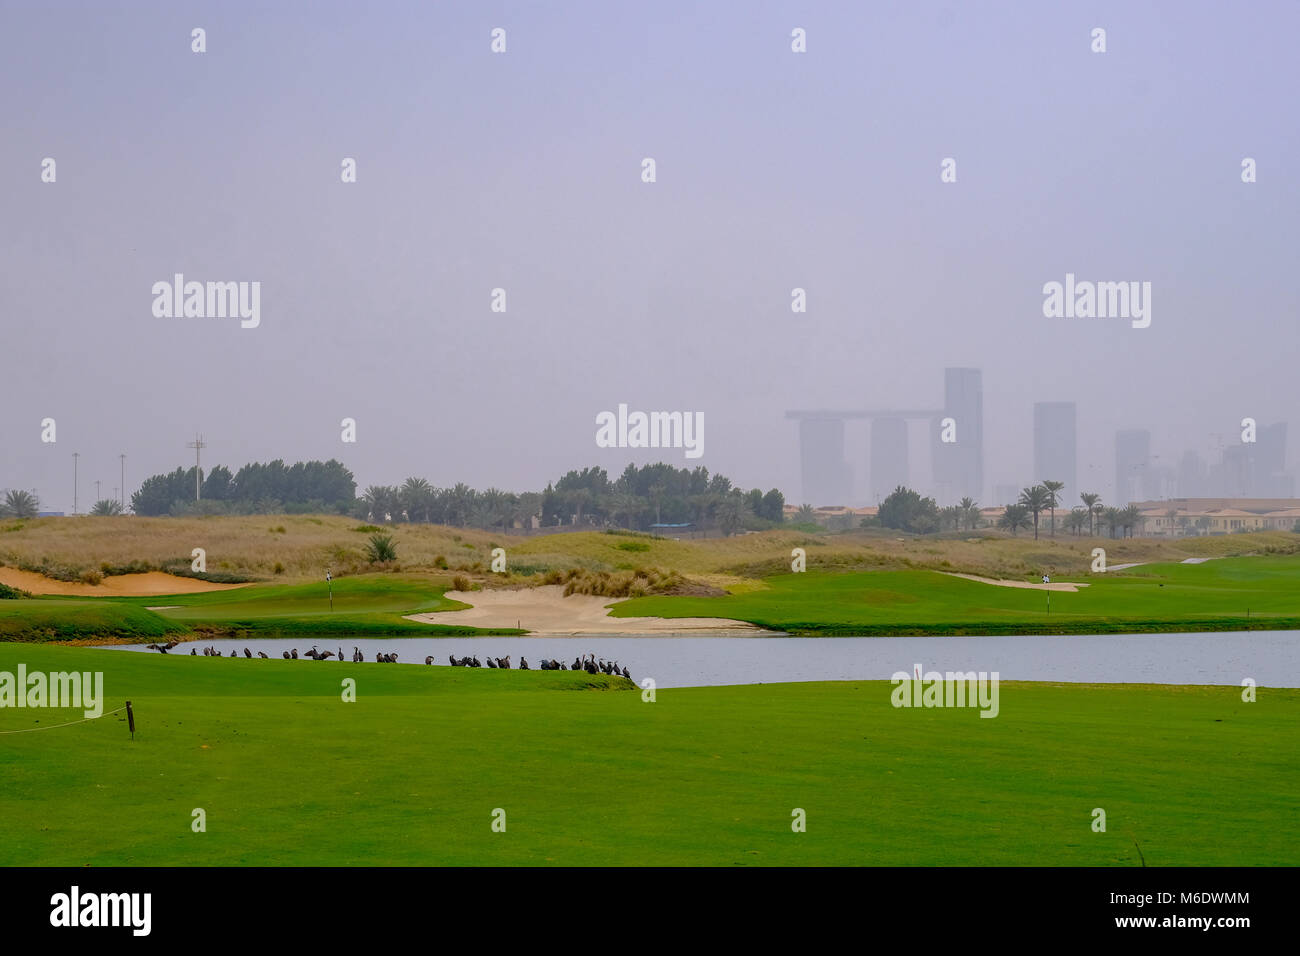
[(589, 663)]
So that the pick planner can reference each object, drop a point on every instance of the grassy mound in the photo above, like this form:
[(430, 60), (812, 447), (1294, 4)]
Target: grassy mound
[(45, 619)]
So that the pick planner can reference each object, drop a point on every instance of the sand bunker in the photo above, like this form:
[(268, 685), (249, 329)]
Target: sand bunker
[(545, 610), (1054, 586), (120, 585)]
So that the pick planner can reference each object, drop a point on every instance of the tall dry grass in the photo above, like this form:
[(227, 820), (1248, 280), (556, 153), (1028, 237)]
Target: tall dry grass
[(299, 547)]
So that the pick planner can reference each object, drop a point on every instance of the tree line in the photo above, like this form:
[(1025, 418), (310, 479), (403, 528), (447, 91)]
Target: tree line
[(257, 488), (906, 510), (640, 498)]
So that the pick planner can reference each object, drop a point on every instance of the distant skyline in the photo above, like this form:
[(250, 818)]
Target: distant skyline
[(522, 171)]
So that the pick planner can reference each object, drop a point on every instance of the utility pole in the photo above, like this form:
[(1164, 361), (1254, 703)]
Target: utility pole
[(75, 456), (122, 499), (198, 445), (96, 491)]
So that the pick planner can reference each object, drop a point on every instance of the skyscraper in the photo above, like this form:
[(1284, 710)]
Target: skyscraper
[(1192, 481), (1055, 447), (959, 465), (826, 477), (1271, 479), (1132, 459), (889, 451), (1257, 469)]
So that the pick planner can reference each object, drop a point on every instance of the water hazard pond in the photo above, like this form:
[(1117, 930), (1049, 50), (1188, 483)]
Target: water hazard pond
[(1271, 658)]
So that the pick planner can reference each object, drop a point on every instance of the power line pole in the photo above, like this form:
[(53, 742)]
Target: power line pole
[(75, 456), (198, 445), (122, 500), (96, 491)]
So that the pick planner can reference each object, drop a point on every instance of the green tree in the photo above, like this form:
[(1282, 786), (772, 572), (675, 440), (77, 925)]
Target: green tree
[(731, 513), (1053, 489), (218, 484), (626, 504), (774, 506), (20, 504), (1092, 501), (1035, 501), (1112, 518), (1014, 517), (106, 507), (528, 505), (381, 548), (382, 502), (905, 510), (416, 499), (1131, 517)]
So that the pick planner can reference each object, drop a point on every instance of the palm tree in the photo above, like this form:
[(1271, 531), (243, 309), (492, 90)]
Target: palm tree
[(970, 511), (1076, 519), (498, 507), (1053, 499), (382, 502), (416, 498), (624, 503), (20, 504), (577, 499), (1014, 517), (1131, 515), (806, 514), (1091, 500), (528, 505), (731, 513), (458, 502), (1113, 518), (657, 492), (1035, 501), (381, 548), (952, 514), (107, 507)]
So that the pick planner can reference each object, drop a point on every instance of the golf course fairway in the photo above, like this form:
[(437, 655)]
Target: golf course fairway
[(583, 771), (1234, 594)]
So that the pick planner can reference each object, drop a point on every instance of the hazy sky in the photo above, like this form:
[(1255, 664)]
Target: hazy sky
[(522, 170)]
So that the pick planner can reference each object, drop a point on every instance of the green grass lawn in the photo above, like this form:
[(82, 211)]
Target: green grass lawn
[(411, 772), (364, 606), (1226, 594)]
